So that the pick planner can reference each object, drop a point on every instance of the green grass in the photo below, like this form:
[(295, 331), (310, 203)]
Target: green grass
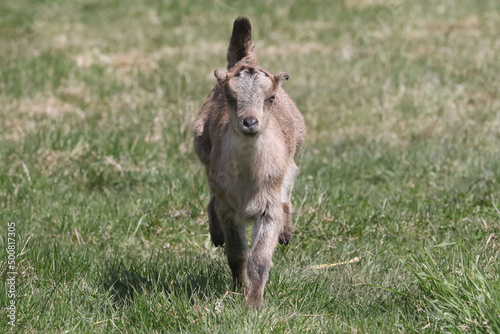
[(401, 166)]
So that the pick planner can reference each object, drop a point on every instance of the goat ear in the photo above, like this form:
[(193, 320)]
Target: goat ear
[(220, 75), (278, 78)]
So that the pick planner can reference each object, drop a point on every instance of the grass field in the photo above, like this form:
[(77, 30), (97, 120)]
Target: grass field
[(401, 168)]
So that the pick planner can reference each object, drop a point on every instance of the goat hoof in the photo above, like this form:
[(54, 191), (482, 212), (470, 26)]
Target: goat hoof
[(218, 243), (285, 238)]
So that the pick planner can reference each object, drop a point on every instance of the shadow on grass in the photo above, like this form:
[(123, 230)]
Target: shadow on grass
[(183, 277)]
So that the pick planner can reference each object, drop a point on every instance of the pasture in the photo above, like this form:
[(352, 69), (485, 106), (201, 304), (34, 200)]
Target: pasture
[(107, 200)]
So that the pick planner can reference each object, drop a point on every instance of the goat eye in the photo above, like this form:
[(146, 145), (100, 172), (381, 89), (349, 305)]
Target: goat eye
[(271, 99)]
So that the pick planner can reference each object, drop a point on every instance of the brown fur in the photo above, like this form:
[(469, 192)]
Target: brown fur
[(250, 167)]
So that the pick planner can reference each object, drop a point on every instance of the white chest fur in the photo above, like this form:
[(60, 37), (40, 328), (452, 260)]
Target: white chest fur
[(250, 171)]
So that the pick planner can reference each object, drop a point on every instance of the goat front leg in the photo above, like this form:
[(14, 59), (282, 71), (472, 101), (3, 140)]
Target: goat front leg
[(236, 246), (259, 262)]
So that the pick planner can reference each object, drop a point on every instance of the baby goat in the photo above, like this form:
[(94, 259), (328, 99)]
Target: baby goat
[(247, 135)]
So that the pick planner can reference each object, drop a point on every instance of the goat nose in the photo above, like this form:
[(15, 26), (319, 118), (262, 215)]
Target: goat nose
[(250, 122)]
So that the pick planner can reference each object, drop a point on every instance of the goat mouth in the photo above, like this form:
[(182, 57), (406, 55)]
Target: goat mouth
[(250, 133)]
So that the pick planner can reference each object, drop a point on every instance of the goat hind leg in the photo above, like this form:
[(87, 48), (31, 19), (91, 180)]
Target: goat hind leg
[(216, 231), (287, 229), (286, 191)]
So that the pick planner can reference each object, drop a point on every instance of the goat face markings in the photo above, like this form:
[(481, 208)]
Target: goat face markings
[(249, 93)]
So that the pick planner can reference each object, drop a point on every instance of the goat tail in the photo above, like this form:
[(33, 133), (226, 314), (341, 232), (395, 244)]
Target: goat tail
[(241, 46)]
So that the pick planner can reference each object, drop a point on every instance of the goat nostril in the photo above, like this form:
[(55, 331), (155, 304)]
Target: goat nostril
[(250, 122)]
